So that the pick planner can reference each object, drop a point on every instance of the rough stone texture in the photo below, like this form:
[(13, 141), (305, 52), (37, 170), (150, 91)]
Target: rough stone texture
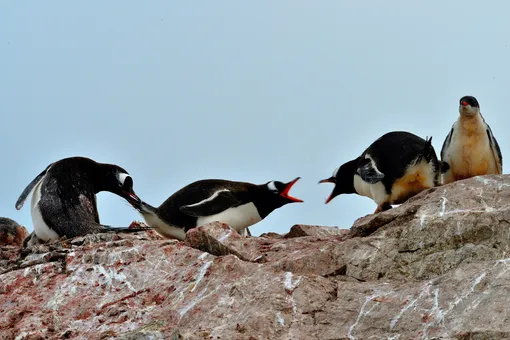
[(300, 230), (11, 233), (436, 267)]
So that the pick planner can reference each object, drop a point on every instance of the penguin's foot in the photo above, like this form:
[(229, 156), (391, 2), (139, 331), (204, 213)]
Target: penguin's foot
[(383, 207)]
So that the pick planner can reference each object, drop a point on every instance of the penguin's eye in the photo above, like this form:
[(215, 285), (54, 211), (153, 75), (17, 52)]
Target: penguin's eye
[(272, 187)]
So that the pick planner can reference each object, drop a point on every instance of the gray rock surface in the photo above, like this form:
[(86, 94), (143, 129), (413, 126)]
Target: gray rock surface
[(436, 267)]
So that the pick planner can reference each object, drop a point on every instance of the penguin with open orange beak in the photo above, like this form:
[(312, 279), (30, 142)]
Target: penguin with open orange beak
[(394, 168), (238, 204)]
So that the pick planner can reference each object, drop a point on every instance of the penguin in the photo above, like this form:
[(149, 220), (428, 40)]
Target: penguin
[(470, 148), (11, 233), (238, 204), (392, 169), (64, 197)]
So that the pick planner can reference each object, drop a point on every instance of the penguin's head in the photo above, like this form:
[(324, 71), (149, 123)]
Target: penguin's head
[(279, 192), (119, 182), (468, 106), (343, 179)]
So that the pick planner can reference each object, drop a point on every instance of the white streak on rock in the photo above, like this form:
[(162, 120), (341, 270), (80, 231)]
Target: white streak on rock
[(424, 291), (280, 319), (422, 220), (363, 313), (111, 274), (196, 300), (443, 206), (224, 236), (439, 314), (201, 275), (289, 285)]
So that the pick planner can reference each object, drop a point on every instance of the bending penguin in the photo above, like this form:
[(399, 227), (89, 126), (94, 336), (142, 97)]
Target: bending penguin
[(470, 148), (238, 204), (64, 197), (392, 169)]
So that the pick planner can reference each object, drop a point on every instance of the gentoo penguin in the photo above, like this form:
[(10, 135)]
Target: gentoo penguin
[(395, 167), (11, 233), (238, 204), (470, 148), (64, 197)]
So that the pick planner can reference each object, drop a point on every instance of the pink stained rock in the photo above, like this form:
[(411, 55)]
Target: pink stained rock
[(434, 267)]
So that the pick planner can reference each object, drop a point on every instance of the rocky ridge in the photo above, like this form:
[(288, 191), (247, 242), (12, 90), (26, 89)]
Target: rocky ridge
[(436, 267)]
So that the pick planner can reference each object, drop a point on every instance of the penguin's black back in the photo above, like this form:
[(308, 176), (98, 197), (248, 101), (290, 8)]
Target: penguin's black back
[(68, 202), (395, 151), (197, 191)]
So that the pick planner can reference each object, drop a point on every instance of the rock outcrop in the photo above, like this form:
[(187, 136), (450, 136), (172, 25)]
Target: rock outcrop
[(436, 267), (11, 233)]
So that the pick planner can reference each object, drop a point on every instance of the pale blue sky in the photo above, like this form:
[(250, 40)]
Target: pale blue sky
[(253, 91)]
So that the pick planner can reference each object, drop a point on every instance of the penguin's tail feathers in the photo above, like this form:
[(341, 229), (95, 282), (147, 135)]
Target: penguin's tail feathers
[(126, 229), (428, 150)]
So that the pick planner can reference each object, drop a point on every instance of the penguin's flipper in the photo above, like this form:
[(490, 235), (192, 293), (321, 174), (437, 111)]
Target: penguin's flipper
[(29, 188), (219, 201), (496, 151), (369, 172), (446, 144)]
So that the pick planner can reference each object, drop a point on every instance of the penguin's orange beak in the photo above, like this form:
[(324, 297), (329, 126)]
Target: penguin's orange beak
[(285, 192)]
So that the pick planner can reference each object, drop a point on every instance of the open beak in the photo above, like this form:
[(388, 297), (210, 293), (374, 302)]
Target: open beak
[(330, 198), (327, 180), (134, 200), (285, 192)]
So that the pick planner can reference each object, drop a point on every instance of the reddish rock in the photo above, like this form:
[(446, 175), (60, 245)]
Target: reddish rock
[(300, 230), (434, 267), (11, 233)]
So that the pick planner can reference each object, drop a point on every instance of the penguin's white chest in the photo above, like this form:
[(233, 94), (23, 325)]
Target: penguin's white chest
[(376, 191), (41, 229), (238, 218), (163, 228), (469, 153)]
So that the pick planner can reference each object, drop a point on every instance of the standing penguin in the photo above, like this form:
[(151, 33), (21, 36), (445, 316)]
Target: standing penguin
[(392, 169), (238, 204), (64, 197), (470, 148)]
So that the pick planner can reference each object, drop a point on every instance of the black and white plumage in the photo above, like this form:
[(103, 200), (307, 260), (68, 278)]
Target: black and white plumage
[(392, 169), (470, 148), (238, 204), (64, 197)]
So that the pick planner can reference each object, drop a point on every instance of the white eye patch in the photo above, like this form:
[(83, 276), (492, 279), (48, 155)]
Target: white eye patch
[(335, 172), (271, 186), (122, 178)]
